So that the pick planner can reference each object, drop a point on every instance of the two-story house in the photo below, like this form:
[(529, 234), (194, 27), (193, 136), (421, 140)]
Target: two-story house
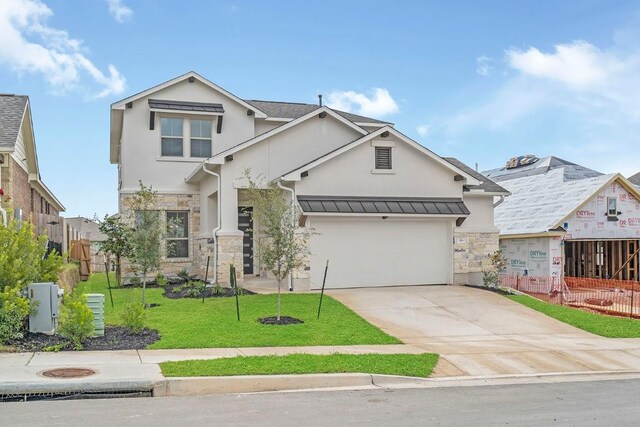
[(25, 195), (385, 210)]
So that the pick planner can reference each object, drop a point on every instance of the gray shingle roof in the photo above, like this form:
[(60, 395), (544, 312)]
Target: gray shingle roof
[(293, 110), (383, 205), (635, 179), (487, 185), (11, 113), (571, 170)]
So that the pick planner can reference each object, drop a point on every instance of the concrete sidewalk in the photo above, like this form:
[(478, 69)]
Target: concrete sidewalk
[(21, 373)]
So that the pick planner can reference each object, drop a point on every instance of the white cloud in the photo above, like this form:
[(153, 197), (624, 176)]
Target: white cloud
[(30, 45), (578, 64), (378, 104), (483, 65), (119, 11), (423, 130)]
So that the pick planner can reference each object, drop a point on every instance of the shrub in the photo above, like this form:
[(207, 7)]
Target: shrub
[(69, 277), (217, 290), (183, 274), (76, 320), (193, 289), (491, 277), (135, 281), (161, 280), (13, 309), (240, 291), (133, 316)]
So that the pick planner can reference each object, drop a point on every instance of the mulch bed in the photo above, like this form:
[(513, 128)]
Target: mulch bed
[(174, 292), (115, 338), (486, 288), (284, 320)]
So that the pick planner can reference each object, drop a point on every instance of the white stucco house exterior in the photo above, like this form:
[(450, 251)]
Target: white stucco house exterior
[(385, 209)]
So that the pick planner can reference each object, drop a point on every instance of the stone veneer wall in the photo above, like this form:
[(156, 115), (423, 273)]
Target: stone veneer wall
[(230, 252), (471, 255), (198, 247)]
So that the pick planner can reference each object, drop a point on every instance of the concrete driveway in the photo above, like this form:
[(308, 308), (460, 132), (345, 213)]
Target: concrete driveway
[(480, 333)]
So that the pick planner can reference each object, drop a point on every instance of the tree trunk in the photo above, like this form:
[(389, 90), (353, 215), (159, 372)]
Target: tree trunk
[(144, 287), (118, 272), (279, 301)]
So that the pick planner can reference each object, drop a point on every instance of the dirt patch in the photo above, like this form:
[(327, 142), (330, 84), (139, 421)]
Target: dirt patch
[(284, 320), (177, 291), (115, 338)]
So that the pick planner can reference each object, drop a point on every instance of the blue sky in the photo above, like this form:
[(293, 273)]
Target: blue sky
[(479, 80)]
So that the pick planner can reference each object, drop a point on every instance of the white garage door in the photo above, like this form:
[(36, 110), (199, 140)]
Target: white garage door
[(376, 252)]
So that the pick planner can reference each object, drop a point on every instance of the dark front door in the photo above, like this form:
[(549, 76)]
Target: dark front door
[(245, 224)]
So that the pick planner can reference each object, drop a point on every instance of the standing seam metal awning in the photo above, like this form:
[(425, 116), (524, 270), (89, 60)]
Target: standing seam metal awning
[(382, 205), (160, 104)]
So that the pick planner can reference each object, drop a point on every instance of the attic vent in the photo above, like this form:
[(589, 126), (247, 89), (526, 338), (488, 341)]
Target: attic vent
[(383, 157)]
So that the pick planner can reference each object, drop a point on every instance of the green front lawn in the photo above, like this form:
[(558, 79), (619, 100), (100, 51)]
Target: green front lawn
[(189, 323), (599, 324), (412, 365)]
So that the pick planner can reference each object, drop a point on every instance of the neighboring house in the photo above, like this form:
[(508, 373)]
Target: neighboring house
[(385, 209), (78, 228), (25, 195), (635, 179), (565, 219)]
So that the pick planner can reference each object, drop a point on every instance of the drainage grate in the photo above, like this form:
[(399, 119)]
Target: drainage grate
[(75, 395), (68, 373)]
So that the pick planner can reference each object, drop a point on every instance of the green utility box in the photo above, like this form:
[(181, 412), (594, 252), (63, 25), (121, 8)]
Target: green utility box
[(96, 304)]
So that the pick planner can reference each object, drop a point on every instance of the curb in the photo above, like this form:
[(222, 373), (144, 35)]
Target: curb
[(199, 386)]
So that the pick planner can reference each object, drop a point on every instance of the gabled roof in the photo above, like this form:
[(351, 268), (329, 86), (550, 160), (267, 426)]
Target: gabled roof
[(571, 170), (635, 179), (119, 105), (295, 175), (542, 203), (12, 110), (293, 110), (486, 186), (15, 114)]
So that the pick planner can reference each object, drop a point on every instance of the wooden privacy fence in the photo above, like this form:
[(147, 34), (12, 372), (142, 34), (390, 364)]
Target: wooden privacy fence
[(613, 297), (81, 252)]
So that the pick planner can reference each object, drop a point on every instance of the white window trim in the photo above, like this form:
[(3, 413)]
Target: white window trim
[(198, 138), (186, 137)]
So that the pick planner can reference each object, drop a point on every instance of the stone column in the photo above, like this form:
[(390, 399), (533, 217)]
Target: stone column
[(230, 252)]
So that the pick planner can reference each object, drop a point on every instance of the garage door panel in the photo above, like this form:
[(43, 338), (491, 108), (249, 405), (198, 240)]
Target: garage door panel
[(377, 252)]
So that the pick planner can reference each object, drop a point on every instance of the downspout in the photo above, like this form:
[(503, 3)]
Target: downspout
[(215, 230), (293, 201), (496, 204)]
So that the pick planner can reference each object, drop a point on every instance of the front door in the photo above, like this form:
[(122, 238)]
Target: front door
[(245, 224)]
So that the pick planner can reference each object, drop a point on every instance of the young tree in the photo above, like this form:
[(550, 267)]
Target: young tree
[(117, 243), (146, 236), (23, 260), (282, 246)]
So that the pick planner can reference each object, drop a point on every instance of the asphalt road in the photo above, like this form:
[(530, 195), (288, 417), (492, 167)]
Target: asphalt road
[(576, 403)]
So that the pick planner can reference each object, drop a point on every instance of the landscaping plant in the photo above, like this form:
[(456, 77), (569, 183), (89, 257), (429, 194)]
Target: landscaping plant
[(133, 316), (76, 320), (282, 245), (146, 237), (117, 243), (23, 260), (491, 277)]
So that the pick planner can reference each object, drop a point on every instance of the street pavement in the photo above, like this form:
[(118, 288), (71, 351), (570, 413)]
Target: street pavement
[(558, 404)]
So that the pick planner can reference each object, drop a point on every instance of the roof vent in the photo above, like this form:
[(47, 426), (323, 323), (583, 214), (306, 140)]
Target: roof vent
[(526, 160), (320, 100)]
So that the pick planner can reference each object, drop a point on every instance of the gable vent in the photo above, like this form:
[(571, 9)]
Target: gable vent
[(383, 157)]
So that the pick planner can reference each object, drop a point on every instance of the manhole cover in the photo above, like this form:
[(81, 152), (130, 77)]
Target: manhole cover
[(68, 373)]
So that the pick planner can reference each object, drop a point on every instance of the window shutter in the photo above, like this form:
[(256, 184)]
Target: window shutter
[(383, 157)]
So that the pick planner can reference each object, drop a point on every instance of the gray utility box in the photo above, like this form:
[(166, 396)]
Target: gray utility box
[(44, 298)]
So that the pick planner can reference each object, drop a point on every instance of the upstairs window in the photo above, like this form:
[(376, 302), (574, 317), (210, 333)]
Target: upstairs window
[(612, 206), (383, 157), (171, 136), (177, 234), (200, 138)]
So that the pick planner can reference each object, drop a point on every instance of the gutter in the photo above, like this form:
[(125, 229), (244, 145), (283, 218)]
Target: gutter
[(215, 230), (293, 201), (496, 204)]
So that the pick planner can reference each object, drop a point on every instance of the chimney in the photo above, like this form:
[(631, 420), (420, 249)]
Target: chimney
[(320, 100)]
